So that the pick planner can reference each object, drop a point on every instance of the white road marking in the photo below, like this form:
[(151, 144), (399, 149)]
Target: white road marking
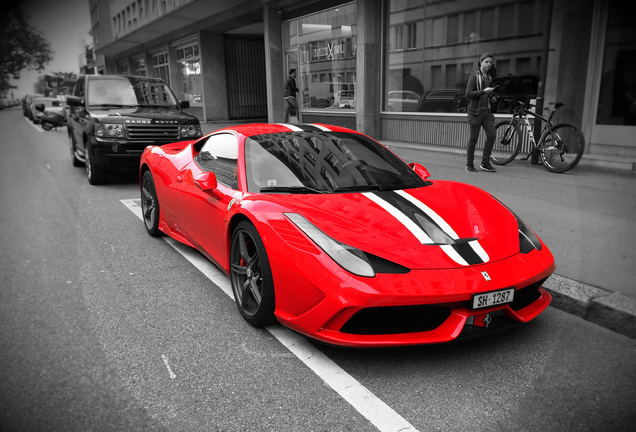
[(165, 360), (382, 416)]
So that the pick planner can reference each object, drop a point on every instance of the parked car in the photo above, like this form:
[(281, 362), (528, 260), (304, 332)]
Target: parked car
[(26, 104), (112, 118), (403, 100), (46, 102), (440, 100), (326, 231)]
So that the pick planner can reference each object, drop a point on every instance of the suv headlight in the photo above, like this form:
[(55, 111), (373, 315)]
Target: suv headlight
[(190, 130), (107, 130), (348, 257)]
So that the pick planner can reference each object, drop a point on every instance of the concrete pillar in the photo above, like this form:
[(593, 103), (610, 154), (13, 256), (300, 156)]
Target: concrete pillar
[(275, 77), (212, 51), (369, 66)]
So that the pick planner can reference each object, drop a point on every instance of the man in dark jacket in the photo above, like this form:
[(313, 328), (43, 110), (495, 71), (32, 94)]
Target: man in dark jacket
[(290, 95), (479, 94)]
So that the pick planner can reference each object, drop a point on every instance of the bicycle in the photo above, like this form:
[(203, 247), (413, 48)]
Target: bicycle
[(560, 146)]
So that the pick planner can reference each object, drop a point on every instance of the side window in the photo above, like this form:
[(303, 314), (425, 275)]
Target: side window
[(219, 155), (79, 87)]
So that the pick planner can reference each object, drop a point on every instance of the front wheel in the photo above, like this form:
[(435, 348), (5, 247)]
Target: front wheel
[(150, 205), (251, 276), (47, 126), (96, 175), (507, 143), (563, 148)]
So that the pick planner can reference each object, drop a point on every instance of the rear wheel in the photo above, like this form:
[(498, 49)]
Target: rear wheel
[(251, 276), (150, 205), (563, 148), (507, 143), (47, 126), (95, 175)]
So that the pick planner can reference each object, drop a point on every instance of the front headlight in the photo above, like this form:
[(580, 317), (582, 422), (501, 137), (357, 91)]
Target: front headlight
[(528, 240), (190, 131), (351, 259), (107, 130)]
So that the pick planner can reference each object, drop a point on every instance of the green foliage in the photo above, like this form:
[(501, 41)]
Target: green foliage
[(21, 46)]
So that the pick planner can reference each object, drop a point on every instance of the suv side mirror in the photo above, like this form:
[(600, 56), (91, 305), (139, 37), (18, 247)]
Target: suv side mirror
[(184, 104), (75, 101), (206, 181), (39, 107)]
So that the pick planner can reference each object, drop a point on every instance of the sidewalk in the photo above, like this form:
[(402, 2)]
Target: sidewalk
[(612, 310)]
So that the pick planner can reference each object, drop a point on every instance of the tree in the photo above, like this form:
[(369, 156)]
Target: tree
[(21, 46)]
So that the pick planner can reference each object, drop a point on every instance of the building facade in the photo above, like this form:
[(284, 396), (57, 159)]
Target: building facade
[(393, 69)]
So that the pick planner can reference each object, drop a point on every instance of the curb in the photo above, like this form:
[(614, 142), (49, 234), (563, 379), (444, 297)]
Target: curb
[(614, 311)]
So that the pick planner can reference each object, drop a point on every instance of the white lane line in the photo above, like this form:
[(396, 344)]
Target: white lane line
[(382, 416), (165, 360)]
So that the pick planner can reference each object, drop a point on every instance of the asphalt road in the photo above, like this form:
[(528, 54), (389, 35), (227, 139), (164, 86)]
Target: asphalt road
[(104, 328)]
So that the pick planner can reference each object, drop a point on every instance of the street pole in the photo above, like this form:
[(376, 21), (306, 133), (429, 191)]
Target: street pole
[(534, 158)]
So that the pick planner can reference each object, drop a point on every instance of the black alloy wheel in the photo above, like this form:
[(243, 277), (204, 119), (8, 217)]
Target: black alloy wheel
[(95, 175), (150, 205), (76, 162), (251, 276)]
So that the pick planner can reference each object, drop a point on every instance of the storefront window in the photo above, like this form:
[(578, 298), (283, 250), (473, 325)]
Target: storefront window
[(189, 74), (432, 47), (160, 65), (617, 97), (326, 42)]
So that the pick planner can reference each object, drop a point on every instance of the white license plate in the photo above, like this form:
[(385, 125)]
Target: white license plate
[(493, 298)]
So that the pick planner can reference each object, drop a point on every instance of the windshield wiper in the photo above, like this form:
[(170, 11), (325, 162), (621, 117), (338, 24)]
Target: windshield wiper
[(291, 189), (368, 187)]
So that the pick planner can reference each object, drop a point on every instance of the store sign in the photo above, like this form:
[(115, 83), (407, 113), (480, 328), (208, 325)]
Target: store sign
[(321, 51)]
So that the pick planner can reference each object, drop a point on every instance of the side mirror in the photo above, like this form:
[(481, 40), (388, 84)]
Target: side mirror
[(39, 107), (420, 170), (184, 104), (206, 181), (74, 101)]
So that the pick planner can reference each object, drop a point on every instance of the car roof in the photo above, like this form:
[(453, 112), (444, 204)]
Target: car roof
[(253, 129)]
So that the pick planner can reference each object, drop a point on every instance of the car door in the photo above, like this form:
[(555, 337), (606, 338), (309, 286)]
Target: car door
[(77, 117), (201, 213)]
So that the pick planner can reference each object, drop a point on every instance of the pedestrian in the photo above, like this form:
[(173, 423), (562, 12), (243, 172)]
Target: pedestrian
[(479, 95), (291, 105)]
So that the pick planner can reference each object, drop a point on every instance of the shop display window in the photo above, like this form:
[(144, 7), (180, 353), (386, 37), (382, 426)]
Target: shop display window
[(326, 44), (431, 47), (189, 74)]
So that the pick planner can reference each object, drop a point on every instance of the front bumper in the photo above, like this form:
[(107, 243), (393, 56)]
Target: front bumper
[(421, 307)]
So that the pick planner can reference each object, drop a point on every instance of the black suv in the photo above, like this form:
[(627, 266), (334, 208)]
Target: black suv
[(112, 118)]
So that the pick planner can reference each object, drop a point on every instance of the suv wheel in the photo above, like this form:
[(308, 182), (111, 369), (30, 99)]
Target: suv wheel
[(95, 175), (76, 162)]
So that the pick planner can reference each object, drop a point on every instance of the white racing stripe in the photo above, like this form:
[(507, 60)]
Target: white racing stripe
[(382, 416)]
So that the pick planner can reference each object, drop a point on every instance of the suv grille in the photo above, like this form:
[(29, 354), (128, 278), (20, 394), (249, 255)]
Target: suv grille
[(153, 131)]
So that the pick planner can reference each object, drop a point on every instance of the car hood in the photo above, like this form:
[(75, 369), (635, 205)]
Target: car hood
[(444, 225), (149, 115)]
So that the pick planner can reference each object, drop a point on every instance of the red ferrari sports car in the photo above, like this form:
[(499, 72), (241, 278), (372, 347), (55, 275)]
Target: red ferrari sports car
[(331, 234)]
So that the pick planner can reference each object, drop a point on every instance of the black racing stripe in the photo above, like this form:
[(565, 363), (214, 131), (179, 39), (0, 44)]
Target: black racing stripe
[(467, 252), (406, 207), (308, 127)]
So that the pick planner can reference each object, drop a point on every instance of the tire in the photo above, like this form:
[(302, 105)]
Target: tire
[(563, 148), (507, 143), (47, 126), (150, 205), (74, 160), (251, 276), (95, 175)]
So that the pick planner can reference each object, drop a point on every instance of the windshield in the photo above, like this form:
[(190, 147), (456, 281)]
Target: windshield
[(123, 92), (323, 162)]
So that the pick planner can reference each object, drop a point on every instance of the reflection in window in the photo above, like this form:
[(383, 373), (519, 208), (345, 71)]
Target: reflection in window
[(219, 155), (189, 74), (160, 65), (617, 97), (327, 46), (432, 47)]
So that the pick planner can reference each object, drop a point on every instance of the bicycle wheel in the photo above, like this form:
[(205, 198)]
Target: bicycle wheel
[(563, 148), (507, 143)]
